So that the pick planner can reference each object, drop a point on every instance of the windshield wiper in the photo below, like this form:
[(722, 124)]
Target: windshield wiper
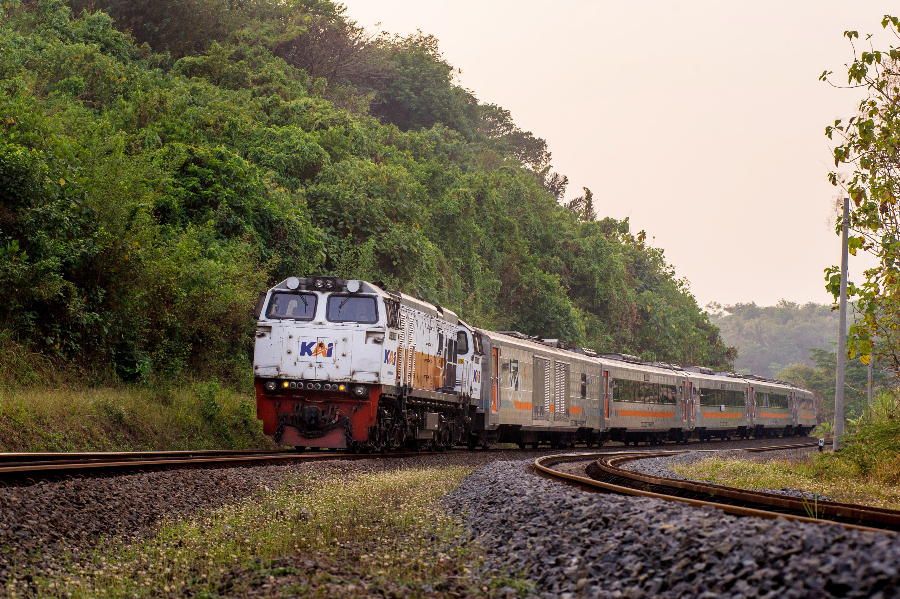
[(341, 305)]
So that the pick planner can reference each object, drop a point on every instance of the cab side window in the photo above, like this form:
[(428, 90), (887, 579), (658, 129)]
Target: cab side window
[(462, 343)]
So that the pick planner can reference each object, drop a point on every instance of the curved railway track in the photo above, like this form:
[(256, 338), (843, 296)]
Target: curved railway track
[(605, 474)]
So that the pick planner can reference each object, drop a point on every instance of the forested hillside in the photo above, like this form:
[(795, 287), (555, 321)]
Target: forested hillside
[(163, 161), (769, 338)]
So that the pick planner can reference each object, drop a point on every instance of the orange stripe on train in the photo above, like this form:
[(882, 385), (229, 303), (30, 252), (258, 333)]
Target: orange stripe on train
[(767, 415), (648, 414), (723, 414)]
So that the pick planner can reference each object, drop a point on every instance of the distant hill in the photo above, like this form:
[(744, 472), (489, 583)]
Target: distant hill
[(772, 337)]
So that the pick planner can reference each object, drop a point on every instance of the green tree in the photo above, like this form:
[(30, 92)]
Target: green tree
[(868, 143)]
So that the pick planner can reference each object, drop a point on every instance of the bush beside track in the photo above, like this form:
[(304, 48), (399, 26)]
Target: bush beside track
[(127, 418)]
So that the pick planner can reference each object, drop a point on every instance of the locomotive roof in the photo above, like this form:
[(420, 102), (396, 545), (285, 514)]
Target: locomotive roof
[(417, 304)]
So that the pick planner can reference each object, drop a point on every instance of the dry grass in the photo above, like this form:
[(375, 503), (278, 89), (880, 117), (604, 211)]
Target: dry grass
[(342, 535), (823, 475), (199, 416)]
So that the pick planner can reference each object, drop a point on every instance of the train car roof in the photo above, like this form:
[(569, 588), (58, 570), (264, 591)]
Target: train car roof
[(554, 347)]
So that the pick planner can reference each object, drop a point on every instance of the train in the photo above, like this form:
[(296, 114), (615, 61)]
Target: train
[(346, 364)]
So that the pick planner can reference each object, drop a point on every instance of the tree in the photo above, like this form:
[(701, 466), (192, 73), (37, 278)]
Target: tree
[(583, 206), (869, 143)]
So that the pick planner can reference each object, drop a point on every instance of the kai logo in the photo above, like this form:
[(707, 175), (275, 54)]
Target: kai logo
[(476, 376), (316, 349), (390, 357)]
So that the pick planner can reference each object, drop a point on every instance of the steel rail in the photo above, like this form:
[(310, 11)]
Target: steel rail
[(28, 468), (59, 466), (730, 500)]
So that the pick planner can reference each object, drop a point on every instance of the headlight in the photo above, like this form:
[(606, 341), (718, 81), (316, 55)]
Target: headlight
[(319, 284), (341, 388), (271, 385), (285, 384), (360, 390)]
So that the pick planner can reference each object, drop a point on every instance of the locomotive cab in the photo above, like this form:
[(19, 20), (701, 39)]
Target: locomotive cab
[(327, 331), (322, 346)]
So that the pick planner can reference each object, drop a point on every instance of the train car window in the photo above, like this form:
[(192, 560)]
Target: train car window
[(584, 384), (352, 308), (462, 343), (514, 374), (721, 397), (779, 401), (297, 306), (641, 392), (440, 346)]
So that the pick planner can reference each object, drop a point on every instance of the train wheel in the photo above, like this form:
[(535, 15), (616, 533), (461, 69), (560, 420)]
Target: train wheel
[(535, 445), (445, 440)]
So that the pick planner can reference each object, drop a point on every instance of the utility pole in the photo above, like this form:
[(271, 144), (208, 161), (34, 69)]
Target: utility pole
[(842, 337), (870, 381)]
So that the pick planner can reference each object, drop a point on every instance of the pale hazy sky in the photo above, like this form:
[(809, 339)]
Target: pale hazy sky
[(703, 120)]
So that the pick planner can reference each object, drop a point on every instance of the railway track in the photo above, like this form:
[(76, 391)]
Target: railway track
[(30, 468), (605, 474)]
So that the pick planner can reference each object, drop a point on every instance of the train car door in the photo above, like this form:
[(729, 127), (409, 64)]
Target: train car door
[(687, 392), (606, 398), (495, 397)]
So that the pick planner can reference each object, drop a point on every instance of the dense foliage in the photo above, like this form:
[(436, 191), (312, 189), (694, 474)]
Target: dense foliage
[(868, 143), (821, 380), (154, 178)]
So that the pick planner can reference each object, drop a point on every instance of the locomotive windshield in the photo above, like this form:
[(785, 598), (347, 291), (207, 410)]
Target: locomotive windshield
[(352, 308), (299, 306)]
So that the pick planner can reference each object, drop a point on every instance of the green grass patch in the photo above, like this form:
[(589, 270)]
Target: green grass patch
[(824, 475), (326, 534), (129, 418)]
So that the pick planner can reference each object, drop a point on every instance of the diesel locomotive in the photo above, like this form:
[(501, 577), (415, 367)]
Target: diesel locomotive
[(346, 364)]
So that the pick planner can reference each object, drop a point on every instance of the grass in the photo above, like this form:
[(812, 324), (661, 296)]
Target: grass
[(320, 535), (823, 475), (128, 418)]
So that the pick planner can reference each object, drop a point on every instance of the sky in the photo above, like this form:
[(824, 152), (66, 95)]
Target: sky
[(702, 121)]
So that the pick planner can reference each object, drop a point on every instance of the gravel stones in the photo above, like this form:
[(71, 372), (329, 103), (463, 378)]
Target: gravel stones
[(572, 543), (47, 520)]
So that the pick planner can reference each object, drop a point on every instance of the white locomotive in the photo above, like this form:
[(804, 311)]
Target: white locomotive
[(345, 364)]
